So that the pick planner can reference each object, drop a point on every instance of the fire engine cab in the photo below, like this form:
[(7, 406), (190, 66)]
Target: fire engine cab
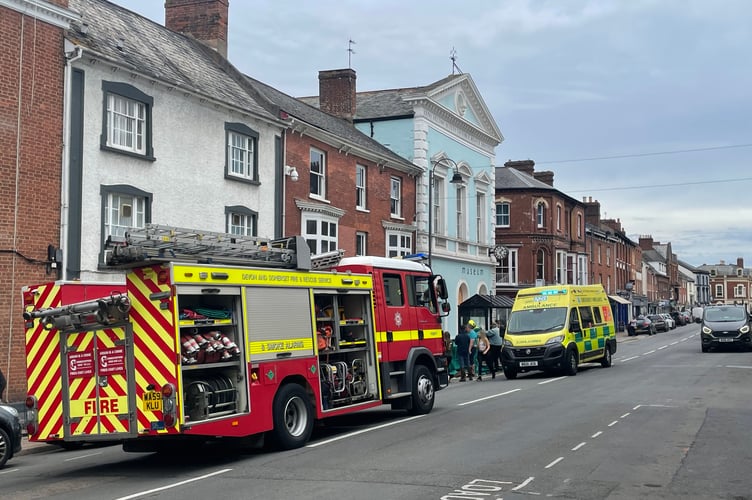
[(215, 335)]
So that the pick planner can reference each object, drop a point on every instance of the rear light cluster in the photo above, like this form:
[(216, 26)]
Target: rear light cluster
[(169, 408), (32, 424)]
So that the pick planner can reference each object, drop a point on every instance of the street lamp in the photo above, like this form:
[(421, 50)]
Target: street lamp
[(456, 179)]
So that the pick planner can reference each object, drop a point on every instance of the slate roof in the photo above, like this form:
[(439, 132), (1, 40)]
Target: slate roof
[(332, 124), (511, 178), (389, 103), (488, 301), (152, 50)]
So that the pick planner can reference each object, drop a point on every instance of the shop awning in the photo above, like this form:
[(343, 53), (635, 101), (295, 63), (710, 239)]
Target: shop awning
[(619, 300)]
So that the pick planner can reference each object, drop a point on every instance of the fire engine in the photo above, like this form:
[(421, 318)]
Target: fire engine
[(218, 336)]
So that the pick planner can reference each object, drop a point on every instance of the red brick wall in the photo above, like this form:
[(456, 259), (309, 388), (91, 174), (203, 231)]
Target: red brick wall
[(30, 117), (204, 20), (340, 181)]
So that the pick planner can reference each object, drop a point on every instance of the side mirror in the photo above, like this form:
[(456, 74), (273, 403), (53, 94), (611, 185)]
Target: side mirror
[(445, 307)]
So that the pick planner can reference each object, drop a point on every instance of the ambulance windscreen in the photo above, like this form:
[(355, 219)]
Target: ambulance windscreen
[(532, 321)]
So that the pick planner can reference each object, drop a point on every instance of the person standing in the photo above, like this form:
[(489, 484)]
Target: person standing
[(497, 342), (448, 353), (462, 341), (472, 331), (484, 354)]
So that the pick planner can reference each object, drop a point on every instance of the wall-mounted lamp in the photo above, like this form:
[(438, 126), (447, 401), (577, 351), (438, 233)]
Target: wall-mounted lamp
[(456, 179), (292, 173)]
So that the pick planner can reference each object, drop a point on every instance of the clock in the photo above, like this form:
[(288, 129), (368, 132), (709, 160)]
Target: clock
[(500, 252)]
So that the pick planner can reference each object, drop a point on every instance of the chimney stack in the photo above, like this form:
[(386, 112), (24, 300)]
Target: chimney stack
[(592, 211), (524, 166), (337, 92), (546, 176), (740, 262), (204, 20)]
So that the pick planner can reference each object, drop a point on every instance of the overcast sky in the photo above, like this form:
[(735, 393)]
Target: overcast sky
[(644, 105)]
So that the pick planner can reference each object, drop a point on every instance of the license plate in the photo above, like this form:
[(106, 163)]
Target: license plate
[(528, 363), (151, 401), (725, 340)]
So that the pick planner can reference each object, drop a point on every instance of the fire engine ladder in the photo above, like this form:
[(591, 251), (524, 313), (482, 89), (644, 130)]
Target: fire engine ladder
[(158, 243), (83, 315)]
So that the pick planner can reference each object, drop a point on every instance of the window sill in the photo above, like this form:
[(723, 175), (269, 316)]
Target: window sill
[(319, 198), (396, 217), (244, 180), (127, 153), (364, 210)]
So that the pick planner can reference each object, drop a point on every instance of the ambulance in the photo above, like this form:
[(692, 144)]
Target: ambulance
[(557, 328), (214, 336)]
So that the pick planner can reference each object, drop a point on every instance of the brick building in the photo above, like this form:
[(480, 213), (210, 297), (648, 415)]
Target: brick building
[(35, 65), (729, 283)]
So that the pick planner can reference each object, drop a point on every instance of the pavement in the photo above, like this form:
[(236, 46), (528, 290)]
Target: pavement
[(29, 447)]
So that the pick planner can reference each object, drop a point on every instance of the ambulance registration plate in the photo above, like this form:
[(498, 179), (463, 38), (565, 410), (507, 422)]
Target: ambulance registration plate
[(151, 401), (528, 363)]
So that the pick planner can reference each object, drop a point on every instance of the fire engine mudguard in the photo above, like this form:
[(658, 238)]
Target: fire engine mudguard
[(420, 380), (293, 417)]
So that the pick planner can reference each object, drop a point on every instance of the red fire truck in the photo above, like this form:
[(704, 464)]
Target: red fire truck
[(219, 336)]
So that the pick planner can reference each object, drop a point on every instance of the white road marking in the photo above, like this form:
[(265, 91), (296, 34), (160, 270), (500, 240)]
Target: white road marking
[(628, 359), (174, 485), (739, 366), (82, 456), (596, 434), (649, 352), (8, 471), (523, 483), (551, 380), (362, 431), (554, 462), (613, 423), (487, 397), (662, 347), (579, 446)]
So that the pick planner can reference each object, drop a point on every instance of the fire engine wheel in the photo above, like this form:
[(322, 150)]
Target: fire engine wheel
[(606, 361), (293, 417), (570, 368), (6, 448), (424, 393)]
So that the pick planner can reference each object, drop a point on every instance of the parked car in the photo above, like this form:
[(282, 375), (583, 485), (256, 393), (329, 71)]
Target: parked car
[(641, 324), (725, 326), (681, 317), (659, 322), (671, 321), (10, 433)]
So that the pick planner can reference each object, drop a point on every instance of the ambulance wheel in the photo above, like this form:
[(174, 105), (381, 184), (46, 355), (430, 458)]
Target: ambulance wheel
[(293, 417), (571, 367), (510, 373), (606, 361), (6, 447), (424, 393)]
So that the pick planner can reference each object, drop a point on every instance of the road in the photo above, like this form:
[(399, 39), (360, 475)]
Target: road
[(665, 421)]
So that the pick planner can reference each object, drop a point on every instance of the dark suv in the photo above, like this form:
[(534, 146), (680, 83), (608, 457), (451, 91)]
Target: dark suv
[(725, 326), (10, 433)]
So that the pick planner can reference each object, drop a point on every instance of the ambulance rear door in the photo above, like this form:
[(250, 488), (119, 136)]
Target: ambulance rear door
[(98, 384)]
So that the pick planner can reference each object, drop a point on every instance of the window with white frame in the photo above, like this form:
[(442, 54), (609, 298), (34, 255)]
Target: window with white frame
[(502, 214), (318, 173), (242, 155), (719, 290), (540, 266), (360, 187), (740, 291), (398, 244), (608, 256), (127, 124), (558, 217), (361, 243), (561, 267), (123, 207), (480, 217), (506, 271), (581, 274), (395, 197), (320, 232), (461, 218), (241, 221), (437, 211), (579, 225), (541, 214)]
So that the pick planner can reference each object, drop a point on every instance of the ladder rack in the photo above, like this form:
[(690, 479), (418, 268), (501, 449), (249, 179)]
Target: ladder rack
[(158, 243)]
